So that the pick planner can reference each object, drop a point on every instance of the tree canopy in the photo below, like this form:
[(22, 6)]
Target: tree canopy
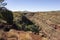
[(2, 3), (1, 0)]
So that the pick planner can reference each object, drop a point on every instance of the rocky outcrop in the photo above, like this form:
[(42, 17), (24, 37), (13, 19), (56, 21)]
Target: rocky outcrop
[(44, 20), (18, 35)]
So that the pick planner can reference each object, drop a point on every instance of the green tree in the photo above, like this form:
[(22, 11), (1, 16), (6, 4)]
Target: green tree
[(2, 4), (5, 14)]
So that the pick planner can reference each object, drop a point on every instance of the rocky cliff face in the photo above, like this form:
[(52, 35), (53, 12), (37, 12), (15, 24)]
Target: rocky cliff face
[(49, 22)]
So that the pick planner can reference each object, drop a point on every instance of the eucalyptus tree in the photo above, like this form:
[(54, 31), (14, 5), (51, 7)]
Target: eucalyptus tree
[(2, 3), (5, 14)]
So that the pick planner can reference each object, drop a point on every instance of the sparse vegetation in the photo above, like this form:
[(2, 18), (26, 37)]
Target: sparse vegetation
[(22, 24), (28, 25), (38, 23)]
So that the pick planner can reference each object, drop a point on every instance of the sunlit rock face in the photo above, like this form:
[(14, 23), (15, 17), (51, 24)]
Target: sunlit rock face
[(19, 35)]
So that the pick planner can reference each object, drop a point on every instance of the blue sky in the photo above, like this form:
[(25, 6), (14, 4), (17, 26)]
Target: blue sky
[(33, 5)]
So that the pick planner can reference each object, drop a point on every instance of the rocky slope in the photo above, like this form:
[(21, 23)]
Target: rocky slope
[(49, 23), (18, 35)]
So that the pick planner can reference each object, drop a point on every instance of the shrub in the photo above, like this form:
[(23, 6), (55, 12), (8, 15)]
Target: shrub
[(32, 28)]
